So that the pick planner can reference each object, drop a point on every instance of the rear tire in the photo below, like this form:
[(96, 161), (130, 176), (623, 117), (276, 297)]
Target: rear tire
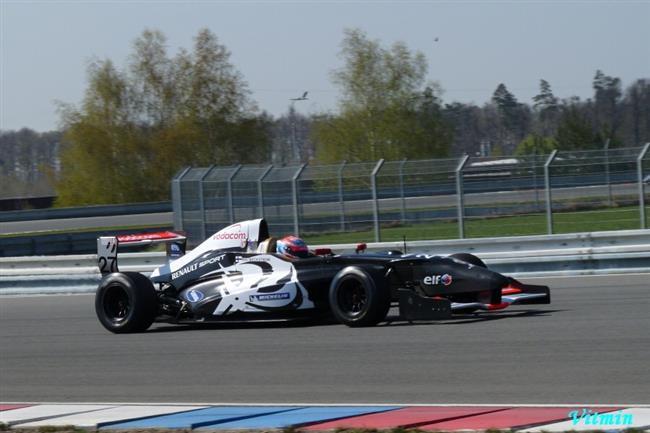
[(126, 302), (359, 298)]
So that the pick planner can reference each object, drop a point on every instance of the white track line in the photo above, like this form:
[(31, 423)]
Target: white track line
[(581, 404)]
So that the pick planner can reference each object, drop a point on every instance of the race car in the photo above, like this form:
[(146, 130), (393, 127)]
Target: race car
[(241, 273)]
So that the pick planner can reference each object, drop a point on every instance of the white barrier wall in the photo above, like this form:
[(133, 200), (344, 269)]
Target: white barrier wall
[(546, 255)]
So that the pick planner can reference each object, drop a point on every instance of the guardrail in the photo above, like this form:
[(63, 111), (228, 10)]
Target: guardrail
[(86, 211), (37, 244), (522, 256)]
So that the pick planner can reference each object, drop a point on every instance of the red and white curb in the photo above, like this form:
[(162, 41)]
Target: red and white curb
[(525, 418)]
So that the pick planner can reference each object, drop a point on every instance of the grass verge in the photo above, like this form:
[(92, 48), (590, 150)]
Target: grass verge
[(623, 218)]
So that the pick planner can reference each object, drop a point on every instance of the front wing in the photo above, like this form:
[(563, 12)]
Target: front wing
[(515, 293), (413, 306)]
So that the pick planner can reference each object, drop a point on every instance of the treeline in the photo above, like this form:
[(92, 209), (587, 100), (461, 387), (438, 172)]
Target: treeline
[(388, 110), (504, 125), (28, 162), (138, 125)]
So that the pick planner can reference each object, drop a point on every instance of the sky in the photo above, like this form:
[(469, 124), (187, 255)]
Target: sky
[(283, 48)]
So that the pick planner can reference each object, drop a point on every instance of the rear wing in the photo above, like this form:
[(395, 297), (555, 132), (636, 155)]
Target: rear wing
[(107, 247)]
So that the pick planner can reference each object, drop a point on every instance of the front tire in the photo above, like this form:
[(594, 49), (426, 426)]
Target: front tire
[(357, 299), (126, 302)]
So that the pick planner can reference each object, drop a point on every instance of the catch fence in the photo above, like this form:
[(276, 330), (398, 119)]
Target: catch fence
[(562, 192)]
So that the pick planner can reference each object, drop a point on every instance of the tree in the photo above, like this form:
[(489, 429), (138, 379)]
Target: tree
[(465, 122), (546, 107), (436, 133), (545, 99), (607, 95), (137, 127), (535, 144), (386, 111), (27, 161), (636, 113), (575, 131), (289, 130), (504, 100), (514, 118), (101, 161)]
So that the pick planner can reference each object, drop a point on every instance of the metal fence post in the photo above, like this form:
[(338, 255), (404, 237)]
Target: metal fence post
[(231, 210), (260, 191), (535, 179), (401, 190), (639, 171), (296, 214), (547, 187), (202, 202), (341, 201), (375, 202), (460, 196), (177, 199), (607, 179)]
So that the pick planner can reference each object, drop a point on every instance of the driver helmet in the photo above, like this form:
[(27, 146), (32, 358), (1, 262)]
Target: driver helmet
[(292, 247)]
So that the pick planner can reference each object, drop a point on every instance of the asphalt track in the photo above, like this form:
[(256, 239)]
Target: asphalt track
[(590, 346)]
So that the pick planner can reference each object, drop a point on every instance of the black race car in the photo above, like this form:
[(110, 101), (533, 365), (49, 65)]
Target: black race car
[(236, 275)]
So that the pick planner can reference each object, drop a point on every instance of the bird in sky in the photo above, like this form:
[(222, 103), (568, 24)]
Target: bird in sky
[(302, 98)]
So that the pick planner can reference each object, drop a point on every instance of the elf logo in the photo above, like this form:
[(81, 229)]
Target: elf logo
[(434, 280)]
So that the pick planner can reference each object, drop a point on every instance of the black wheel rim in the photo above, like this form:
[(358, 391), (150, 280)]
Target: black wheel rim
[(352, 298), (117, 304)]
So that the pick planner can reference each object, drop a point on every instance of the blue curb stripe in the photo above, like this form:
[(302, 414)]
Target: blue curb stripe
[(203, 417), (181, 411), (241, 418), (302, 416)]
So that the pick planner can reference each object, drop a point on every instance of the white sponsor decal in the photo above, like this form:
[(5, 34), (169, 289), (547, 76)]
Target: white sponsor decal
[(230, 236), (193, 267), (186, 270), (269, 297), (232, 232), (432, 280), (237, 291)]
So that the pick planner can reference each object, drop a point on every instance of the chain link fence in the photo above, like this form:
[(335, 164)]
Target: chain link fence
[(425, 199)]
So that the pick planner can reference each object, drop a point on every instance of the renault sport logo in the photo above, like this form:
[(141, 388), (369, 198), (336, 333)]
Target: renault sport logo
[(194, 295), (433, 280)]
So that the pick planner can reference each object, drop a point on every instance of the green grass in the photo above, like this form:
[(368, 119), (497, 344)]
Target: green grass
[(623, 218), (65, 428), (613, 218)]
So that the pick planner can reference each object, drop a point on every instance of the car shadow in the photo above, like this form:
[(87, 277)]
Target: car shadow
[(257, 324), (391, 320), (462, 319)]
